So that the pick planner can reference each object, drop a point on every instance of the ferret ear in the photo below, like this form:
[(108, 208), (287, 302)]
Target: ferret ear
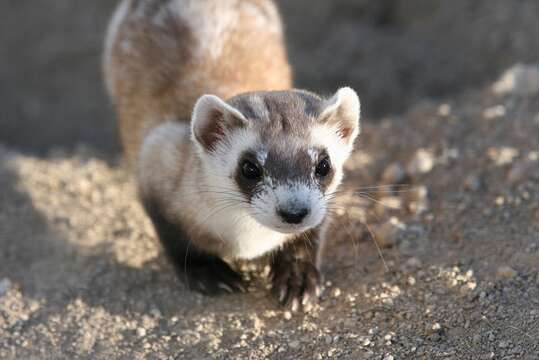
[(211, 119), (342, 111)]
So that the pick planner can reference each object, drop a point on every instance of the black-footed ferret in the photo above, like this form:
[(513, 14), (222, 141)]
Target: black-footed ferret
[(255, 171)]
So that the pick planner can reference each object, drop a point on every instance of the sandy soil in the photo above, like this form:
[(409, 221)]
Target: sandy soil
[(82, 277)]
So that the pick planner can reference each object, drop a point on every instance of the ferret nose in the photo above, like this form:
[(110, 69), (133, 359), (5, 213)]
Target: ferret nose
[(293, 216)]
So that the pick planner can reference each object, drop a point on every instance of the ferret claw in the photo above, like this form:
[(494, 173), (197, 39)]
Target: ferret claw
[(296, 285), (214, 278)]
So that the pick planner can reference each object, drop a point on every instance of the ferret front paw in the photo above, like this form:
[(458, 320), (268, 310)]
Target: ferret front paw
[(213, 277), (296, 284)]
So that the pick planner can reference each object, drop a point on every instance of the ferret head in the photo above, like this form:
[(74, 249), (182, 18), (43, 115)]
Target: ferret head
[(280, 154)]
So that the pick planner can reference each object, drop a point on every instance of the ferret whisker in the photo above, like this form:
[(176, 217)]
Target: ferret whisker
[(222, 192), (355, 241), (377, 189), (216, 211), (241, 217), (378, 249), (367, 197), (307, 240), (223, 202), (385, 186), (385, 191)]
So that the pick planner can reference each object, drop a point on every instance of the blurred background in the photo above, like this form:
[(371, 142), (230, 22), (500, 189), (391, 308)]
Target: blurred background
[(394, 52)]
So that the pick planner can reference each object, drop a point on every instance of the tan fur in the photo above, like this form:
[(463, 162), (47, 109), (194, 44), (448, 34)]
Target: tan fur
[(157, 65), (167, 151)]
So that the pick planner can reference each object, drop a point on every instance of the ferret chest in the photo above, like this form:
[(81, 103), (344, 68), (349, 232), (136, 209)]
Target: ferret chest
[(242, 237)]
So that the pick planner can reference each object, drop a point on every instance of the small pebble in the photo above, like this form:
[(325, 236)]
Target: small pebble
[(387, 234), (506, 272), (294, 344), (388, 203), (502, 155), (417, 199), (472, 183), (394, 174), (444, 110), (516, 350), (141, 332), (287, 315), (421, 163), (520, 79), (412, 264), (365, 341), (5, 285), (520, 171), (332, 352), (494, 112)]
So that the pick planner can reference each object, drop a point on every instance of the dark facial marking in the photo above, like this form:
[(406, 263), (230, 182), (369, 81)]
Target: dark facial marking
[(250, 170), (286, 164), (323, 168), (324, 181), (290, 115), (248, 184), (282, 166)]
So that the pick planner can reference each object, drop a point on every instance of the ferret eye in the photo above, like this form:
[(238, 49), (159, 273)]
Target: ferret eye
[(250, 170), (323, 168)]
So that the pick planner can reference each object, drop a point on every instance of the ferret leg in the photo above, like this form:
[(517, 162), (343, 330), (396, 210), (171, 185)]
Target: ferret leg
[(199, 270), (294, 271)]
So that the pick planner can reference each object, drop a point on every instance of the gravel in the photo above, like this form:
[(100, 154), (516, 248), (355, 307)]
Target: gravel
[(521, 79)]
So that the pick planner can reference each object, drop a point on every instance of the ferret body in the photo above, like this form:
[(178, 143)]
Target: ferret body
[(162, 55), (255, 170)]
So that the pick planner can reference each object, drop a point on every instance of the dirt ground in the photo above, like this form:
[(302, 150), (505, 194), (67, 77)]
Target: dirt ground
[(457, 276)]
